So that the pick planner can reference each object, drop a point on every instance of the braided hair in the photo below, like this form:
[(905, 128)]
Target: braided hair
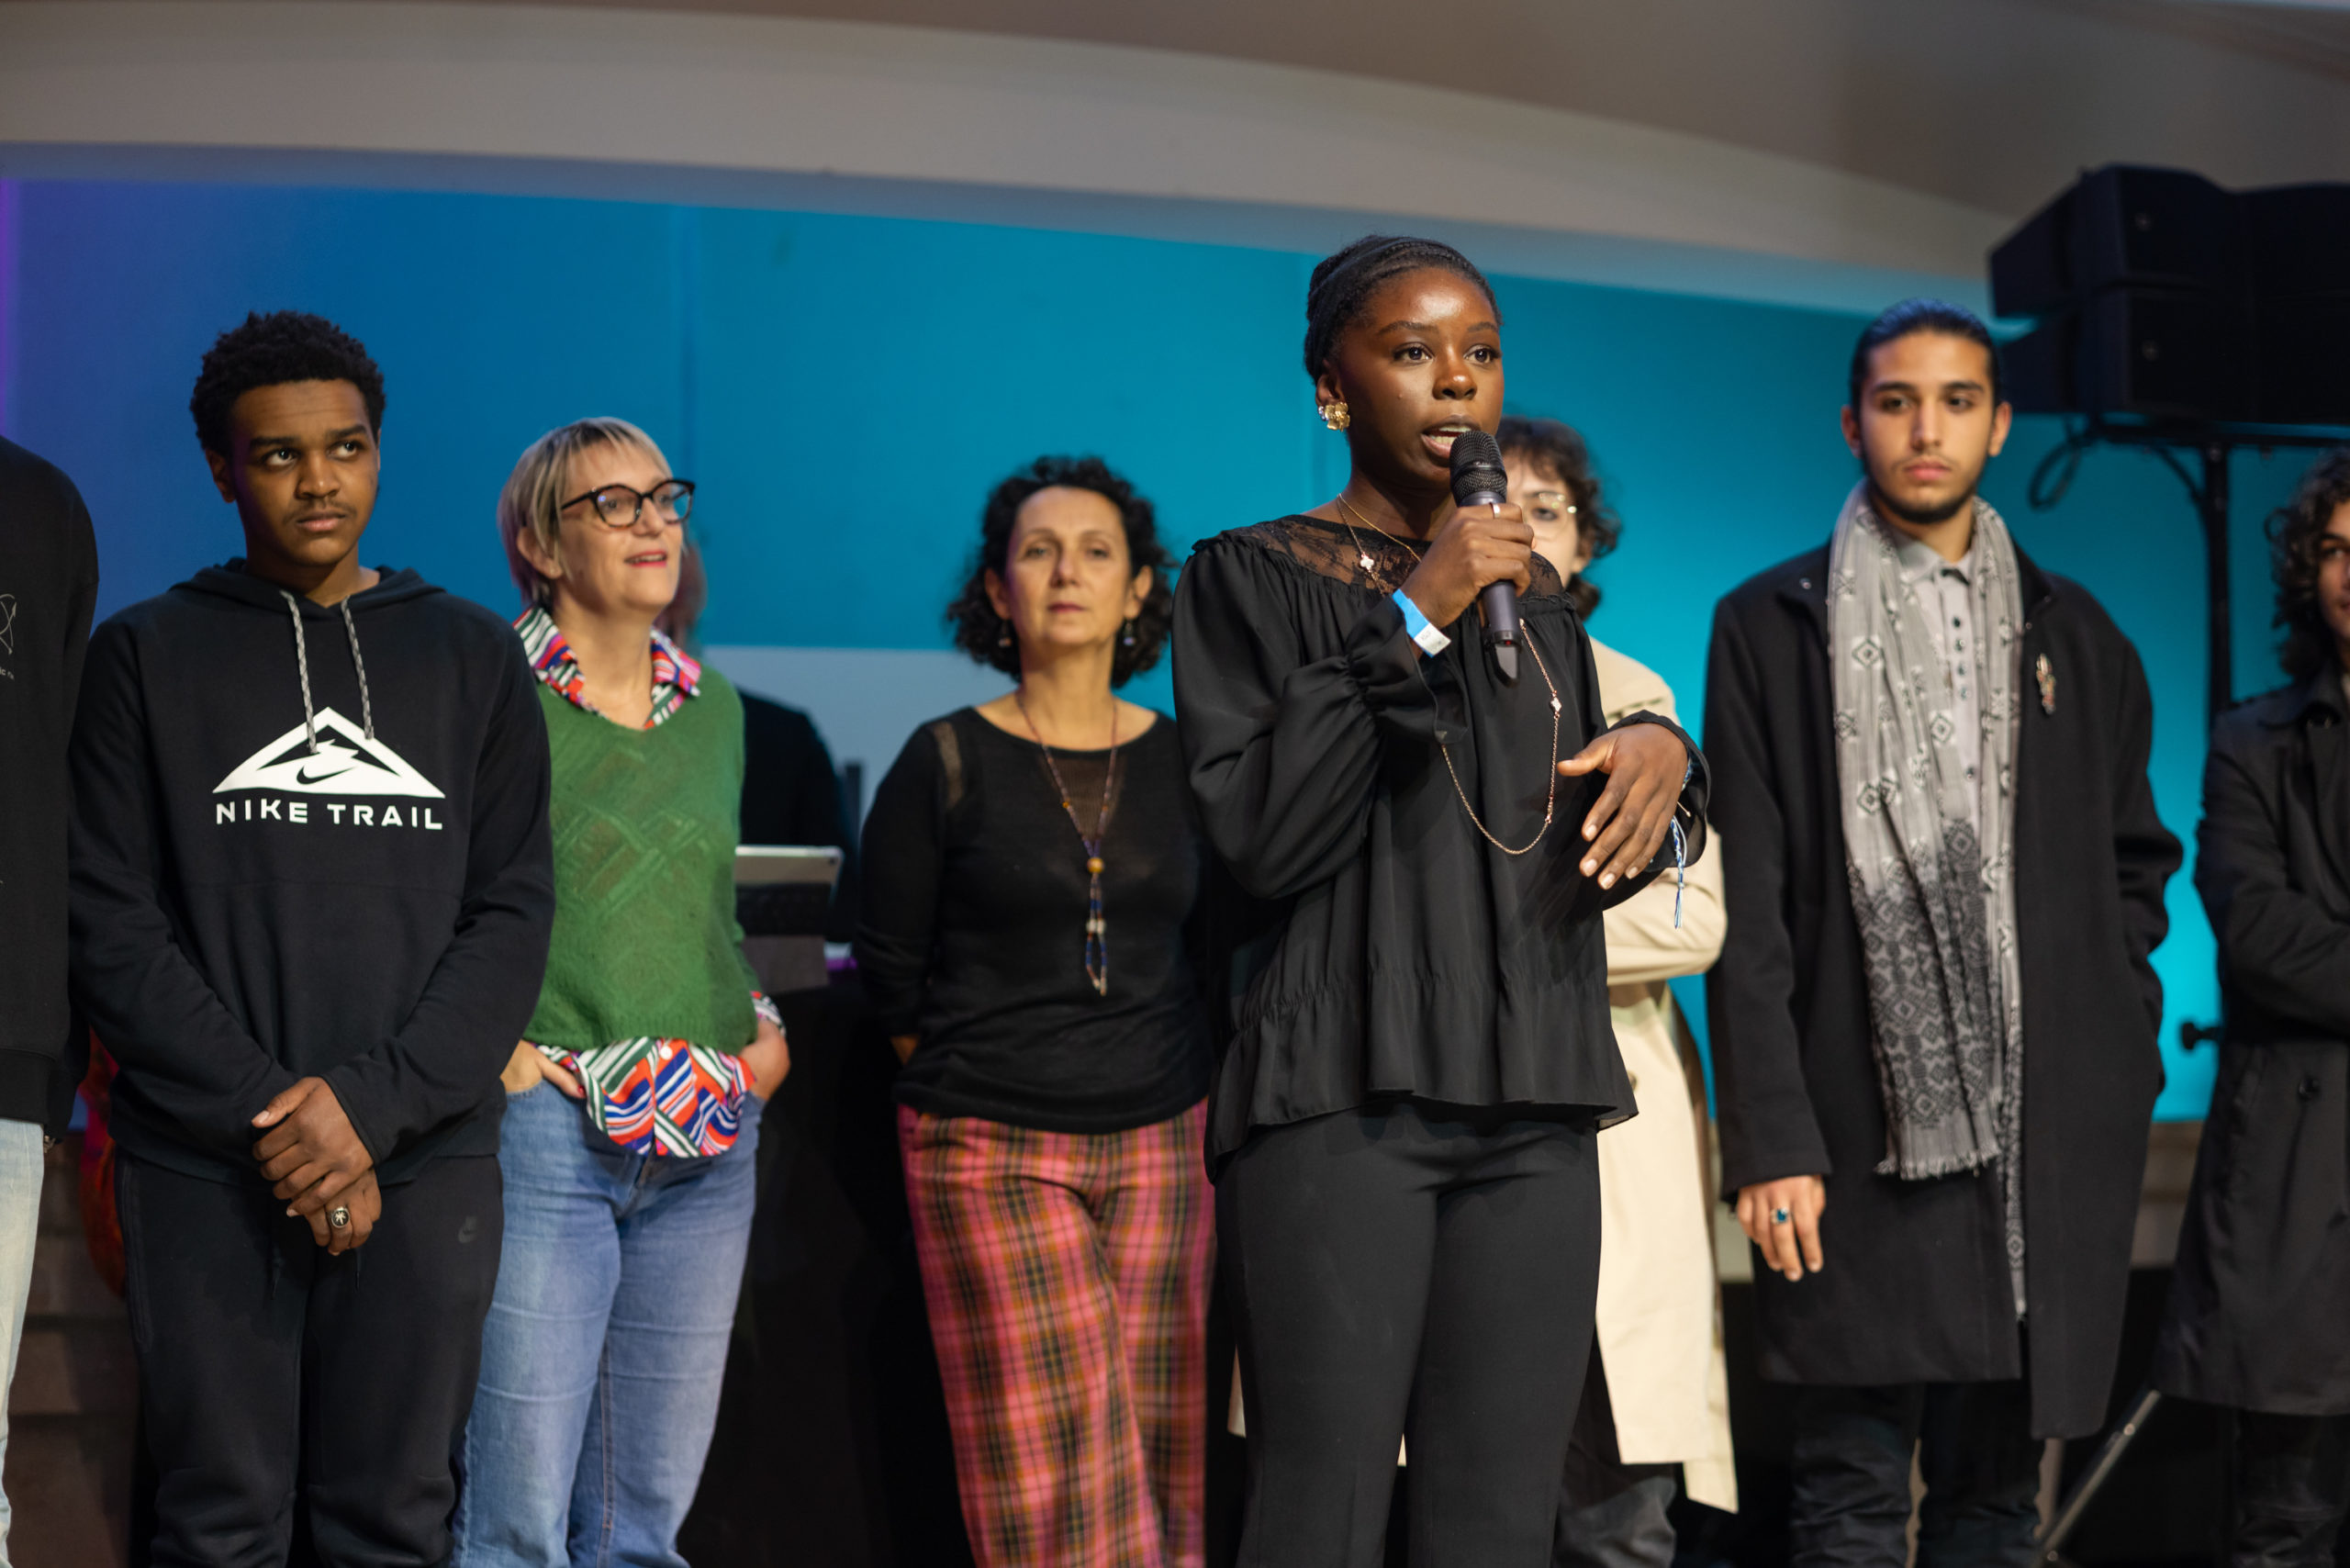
[(1344, 283)]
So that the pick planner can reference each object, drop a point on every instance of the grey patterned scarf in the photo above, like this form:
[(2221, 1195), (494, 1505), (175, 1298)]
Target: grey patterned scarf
[(1934, 900)]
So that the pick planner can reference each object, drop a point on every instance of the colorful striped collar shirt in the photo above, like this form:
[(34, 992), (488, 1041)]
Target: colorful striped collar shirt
[(649, 1095)]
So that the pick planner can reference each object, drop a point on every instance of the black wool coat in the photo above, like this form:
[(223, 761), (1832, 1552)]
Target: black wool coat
[(1916, 1287), (2260, 1302)]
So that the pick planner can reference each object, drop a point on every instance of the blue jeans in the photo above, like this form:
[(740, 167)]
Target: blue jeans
[(20, 1173), (605, 1346)]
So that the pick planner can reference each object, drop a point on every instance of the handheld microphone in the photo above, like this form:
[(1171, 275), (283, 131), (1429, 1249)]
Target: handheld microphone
[(1479, 480)]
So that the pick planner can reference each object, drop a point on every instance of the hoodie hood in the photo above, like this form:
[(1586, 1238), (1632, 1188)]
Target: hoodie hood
[(234, 583), (231, 581)]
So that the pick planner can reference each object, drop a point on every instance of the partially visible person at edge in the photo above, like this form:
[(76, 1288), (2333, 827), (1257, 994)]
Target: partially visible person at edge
[(633, 1104), (1933, 1020), (2257, 1319), (1655, 1413), (1407, 965), (791, 793), (49, 581), (310, 901), (1029, 869)]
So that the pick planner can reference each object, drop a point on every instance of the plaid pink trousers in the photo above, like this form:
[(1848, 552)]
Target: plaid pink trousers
[(1068, 1276)]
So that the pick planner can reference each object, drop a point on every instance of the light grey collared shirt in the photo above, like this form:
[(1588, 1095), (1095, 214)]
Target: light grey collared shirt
[(1945, 590)]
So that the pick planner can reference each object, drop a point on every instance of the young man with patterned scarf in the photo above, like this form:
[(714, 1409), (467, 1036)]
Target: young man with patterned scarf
[(1934, 1018)]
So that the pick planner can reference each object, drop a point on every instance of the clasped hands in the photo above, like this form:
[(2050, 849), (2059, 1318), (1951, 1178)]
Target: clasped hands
[(316, 1157)]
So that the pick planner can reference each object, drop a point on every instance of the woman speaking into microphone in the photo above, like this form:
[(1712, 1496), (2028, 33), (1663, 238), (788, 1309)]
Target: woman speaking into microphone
[(1406, 950)]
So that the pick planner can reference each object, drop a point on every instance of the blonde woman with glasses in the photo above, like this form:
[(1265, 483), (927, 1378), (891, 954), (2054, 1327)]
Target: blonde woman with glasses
[(633, 1104)]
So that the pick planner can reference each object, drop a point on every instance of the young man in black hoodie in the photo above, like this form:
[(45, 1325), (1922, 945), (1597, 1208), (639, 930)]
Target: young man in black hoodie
[(311, 890), (49, 579)]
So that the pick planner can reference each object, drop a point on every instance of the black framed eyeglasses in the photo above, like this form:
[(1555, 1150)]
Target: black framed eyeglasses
[(620, 505)]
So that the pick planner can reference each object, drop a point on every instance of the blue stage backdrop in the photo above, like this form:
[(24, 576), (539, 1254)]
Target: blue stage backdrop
[(775, 353)]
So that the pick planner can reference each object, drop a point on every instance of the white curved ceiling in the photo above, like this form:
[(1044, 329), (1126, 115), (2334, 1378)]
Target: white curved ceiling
[(1812, 151)]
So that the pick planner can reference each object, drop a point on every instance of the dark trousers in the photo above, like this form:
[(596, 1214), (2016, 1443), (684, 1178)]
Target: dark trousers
[(273, 1375), (1973, 1446), (2292, 1486), (1420, 1272), (1611, 1514)]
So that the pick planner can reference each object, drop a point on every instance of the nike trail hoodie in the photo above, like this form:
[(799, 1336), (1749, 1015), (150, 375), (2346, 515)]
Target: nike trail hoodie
[(309, 841)]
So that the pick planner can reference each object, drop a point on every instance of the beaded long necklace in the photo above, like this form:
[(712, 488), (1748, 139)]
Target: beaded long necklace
[(1550, 796), (1097, 931)]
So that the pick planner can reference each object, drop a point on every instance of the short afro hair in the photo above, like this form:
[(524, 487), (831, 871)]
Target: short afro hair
[(1343, 283), (1548, 443), (981, 632), (1921, 315), (269, 351), (2296, 531)]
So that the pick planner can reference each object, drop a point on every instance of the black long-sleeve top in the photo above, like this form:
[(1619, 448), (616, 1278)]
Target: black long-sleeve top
[(973, 932), (1365, 941), (48, 564)]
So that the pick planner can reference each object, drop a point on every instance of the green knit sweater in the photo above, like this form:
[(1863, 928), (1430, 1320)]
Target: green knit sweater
[(645, 822)]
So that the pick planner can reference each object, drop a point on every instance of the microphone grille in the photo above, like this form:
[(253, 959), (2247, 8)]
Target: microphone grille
[(1477, 467)]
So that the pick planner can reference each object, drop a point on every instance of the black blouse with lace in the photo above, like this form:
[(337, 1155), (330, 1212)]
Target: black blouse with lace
[(1365, 940)]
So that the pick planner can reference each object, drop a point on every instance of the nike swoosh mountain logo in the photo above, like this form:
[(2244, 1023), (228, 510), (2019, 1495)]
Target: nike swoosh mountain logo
[(346, 763)]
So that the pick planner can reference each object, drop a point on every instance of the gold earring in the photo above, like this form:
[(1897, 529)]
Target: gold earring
[(1336, 416)]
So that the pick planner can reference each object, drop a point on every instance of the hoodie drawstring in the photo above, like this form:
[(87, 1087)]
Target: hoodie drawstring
[(366, 708), (302, 662)]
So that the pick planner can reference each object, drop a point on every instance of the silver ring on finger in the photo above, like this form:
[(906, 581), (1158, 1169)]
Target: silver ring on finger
[(1780, 1216), (339, 1218)]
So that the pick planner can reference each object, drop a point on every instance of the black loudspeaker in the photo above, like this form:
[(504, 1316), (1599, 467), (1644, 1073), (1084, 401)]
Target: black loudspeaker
[(2163, 296), (2166, 353), (2120, 227), (2304, 349)]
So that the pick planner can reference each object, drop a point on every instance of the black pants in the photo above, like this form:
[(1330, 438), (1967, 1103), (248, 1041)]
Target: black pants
[(1611, 1514), (272, 1374), (2292, 1486), (1974, 1447), (1402, 1274)]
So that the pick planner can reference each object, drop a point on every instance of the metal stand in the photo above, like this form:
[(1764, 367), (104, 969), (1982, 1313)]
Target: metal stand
[(2077, 1502)]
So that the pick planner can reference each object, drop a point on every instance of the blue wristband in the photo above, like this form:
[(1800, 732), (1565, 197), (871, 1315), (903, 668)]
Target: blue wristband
[(1417, 626)]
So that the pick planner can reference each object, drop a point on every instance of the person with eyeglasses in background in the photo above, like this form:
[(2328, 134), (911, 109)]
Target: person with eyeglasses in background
[(2257, 1321), (1654, 1418), (633, 1102)]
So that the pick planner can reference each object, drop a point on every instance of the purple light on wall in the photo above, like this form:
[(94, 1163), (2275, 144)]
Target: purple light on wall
[(7, 304)]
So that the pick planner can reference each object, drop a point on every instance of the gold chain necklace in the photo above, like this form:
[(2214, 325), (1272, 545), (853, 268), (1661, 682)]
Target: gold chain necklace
[(1097, 930), (1549, 796)]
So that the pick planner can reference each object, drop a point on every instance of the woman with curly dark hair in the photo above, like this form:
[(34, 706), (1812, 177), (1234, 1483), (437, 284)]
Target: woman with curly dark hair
[(2256, 1320), (1031, 865)]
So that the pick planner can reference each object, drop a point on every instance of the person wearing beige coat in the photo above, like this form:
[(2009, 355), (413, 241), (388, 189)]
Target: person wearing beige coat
[(1660, 1334), (1657, 1396)]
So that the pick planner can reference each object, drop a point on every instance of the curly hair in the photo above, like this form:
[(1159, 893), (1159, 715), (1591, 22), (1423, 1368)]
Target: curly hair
[(269, 351), (2296, 529), (1559, 447), (982, 633), (1343, 283)]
